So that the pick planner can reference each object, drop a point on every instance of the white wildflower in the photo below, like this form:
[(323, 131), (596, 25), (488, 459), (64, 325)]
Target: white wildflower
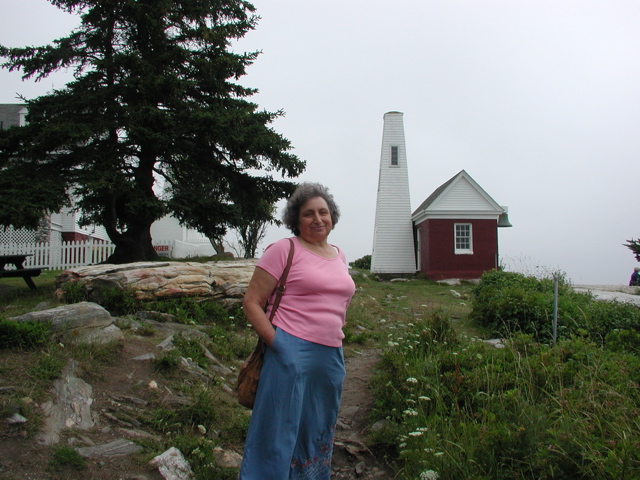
[(429, 475), (411, 412), (412, 380), (416, 434)]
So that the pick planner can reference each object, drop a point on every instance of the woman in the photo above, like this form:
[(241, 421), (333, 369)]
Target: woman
[(292, 426)]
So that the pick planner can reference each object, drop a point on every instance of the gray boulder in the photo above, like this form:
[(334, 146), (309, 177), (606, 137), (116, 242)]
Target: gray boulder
[(83, 322), (70, 406)]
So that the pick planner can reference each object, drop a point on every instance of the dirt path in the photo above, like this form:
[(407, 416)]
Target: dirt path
[(352, 459)]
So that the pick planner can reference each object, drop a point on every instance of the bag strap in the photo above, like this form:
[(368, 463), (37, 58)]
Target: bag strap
[(281, 283)]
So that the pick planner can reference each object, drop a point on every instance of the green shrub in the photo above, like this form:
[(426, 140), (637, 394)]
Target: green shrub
[(510, 303), (25, 335), (192, 311), (67, 457), (603, 317), (363, 263), (623, 341), (73, 292), (117, 301), (167, 363)]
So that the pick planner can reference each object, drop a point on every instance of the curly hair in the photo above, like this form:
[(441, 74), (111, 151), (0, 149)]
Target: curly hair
[(303, 193)]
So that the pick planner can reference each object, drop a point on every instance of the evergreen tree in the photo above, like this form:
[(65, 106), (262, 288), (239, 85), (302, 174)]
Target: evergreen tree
[(153, 95), (634, 246)]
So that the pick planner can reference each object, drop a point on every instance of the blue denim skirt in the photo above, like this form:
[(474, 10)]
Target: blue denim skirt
[(293, 421)]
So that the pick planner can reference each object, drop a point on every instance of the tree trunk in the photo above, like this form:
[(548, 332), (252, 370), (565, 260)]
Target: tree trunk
[(133, 246), (217, 245)]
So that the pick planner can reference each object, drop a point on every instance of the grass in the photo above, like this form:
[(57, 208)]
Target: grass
[(454, 406), (530, 411), (457, 407), (16, 298), (66, 457)]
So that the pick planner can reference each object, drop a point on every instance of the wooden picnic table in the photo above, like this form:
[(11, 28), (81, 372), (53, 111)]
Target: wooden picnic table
[(17, 260)]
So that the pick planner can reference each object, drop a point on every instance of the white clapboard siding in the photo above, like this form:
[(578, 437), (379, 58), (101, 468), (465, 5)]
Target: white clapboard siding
[(393, 246), (464, 196), (459, 197)]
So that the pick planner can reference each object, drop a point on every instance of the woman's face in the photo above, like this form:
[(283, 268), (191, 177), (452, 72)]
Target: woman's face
[(314, 220)]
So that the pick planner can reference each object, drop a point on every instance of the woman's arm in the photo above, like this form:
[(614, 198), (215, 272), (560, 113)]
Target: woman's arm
[(260, 288)]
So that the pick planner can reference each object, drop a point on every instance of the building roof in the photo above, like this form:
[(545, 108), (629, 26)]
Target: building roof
[(459, 195), (10, 114), (436, 193)]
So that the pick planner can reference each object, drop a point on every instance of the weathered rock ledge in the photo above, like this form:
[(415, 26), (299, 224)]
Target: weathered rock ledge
[(226, 280)]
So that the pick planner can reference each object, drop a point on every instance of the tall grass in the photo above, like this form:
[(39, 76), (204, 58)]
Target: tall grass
[(458, 407)]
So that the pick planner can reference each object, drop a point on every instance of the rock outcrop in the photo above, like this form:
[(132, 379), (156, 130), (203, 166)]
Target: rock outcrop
[(83, 322), (225, 281), (70, 406)]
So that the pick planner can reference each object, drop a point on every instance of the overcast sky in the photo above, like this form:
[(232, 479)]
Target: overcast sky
[(538, 100)]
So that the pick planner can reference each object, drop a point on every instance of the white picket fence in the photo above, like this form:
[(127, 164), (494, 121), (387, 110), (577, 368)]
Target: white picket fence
[(71, 254)]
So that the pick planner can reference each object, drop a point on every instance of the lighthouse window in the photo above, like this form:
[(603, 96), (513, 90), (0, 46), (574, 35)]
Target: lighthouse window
[(394, 156)]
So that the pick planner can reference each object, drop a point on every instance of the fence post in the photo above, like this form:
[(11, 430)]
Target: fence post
[(555, 307)]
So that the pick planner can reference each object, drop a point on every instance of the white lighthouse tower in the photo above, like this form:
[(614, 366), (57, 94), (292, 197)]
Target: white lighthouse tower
[(393, 245)]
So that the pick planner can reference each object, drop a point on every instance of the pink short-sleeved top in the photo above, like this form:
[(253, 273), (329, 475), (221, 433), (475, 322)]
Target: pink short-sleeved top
[(317, 294)]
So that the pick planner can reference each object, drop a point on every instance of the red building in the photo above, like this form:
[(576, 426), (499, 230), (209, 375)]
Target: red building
[(456, 230)]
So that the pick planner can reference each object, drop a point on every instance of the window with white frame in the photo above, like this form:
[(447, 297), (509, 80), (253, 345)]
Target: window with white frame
[(463, 238)]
